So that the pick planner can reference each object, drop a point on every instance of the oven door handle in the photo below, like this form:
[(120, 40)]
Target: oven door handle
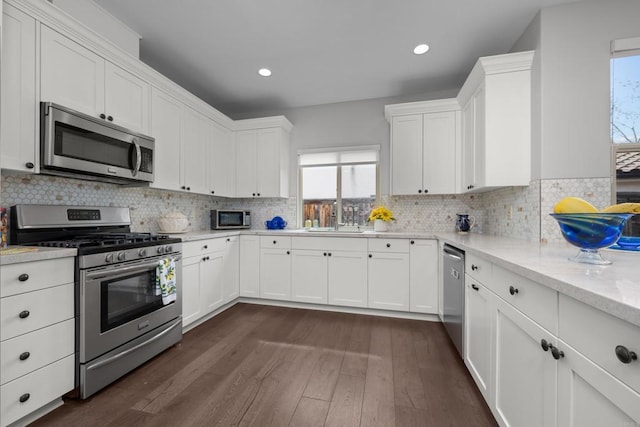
[(101, 363), (120, 270)]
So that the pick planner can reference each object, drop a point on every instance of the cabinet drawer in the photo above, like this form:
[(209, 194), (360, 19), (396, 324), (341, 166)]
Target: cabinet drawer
[(37, 389), (275, 242), (38, 349), (200, 247), (388, 245), (596, 334), (31, 276), (355, 244), (533, 299), (42, 308), (478, 268)]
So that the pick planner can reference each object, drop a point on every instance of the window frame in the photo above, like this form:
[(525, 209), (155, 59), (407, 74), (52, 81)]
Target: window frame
[(337, 150)]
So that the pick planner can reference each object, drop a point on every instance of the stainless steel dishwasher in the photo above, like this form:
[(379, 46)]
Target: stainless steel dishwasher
[(453, 296)]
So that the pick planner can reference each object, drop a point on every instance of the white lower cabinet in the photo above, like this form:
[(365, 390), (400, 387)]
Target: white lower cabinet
[(423, 276), (249, 266), (525, 374), (388, 274), (478, 344), (347, 279), (231, 269), (309, 274), (275, 268)]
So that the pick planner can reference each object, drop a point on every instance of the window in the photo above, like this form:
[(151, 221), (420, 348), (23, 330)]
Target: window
[(338, 185)]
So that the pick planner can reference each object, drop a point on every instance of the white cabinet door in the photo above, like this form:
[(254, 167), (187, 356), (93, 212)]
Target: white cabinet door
[(246, 163), (406, 154), (70, 75), (166, 118), (275, 274), (525, 375), (195, 137), (347, 279), (222, 159), (423, 276), (191, 290), (588, 396), (439, 161), (388, 275), (211, 280), (250, 266), (309, 276), (268, 184), (19, 106), (231, 281), (479, 340), (126, 99)]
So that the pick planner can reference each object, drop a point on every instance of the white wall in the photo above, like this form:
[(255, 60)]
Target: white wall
[(573, 43)]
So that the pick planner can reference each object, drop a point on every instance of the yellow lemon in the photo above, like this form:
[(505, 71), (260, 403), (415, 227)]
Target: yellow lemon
[(573, 205)]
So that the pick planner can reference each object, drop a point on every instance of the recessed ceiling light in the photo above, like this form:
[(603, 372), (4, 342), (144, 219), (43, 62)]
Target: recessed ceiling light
[(421, 49), (264, 72)]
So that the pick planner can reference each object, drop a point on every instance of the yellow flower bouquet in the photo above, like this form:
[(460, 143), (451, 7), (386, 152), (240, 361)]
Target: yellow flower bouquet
[(381, 213)]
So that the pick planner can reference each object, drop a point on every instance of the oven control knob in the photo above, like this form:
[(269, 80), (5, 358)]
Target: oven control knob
[(109, 258), (168, 249), (142, 253), (122, 256), (160, 249)]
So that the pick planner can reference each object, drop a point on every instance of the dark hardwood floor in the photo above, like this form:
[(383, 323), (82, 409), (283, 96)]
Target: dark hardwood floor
[(257, 365)]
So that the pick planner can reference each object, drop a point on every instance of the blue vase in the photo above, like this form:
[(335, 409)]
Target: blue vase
[(464, 223)]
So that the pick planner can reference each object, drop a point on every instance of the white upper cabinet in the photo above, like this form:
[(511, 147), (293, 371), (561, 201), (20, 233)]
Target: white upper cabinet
[(166, 119), (75, 77), (19, 107), (425, 147), (262, 157), (195, 139), (496, 123), (221, 164)]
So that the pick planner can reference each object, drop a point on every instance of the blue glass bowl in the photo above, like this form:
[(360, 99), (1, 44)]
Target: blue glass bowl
[(590, 232)]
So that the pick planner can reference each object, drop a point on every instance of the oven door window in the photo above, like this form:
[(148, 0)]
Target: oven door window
[(127, 298)]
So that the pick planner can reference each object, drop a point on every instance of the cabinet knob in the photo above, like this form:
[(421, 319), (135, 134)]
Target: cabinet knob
[(474, 267), (557, 354), (426, 191), (258, 194), (329, 253), (274, 242), (228, 239), (324, 254), (370, 256), (24, 314), (110, 118), (288, 252), (412, 242), (388, 245), (419, 191), (103, 116), (254, 194), (188, 188), (475, 287), (183, 187), (213, 192), (624, 355), (24, 397), (545, 345), (513, 290), (30, 165), (23, 277), (25, 355), (206, 246)]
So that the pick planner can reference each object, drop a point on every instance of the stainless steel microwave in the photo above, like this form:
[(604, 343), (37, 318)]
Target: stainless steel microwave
[(77, 145), (230, 219)]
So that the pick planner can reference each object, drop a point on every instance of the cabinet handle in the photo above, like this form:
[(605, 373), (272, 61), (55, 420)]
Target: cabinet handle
[(24, 314), (25, 355), (624, 355), (513, 290), (23, 277), (474, 267), (557, 354), (545, 345), (30, 165), (103, 116), (110, 118), (475, 287), (388, 245), (370, 256), (24, 397)]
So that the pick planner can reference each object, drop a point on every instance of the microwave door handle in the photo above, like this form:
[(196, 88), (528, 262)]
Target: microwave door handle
[(138, 160)]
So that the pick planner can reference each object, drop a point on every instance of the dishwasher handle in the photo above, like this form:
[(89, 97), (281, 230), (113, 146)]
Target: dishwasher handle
[(452, 253)]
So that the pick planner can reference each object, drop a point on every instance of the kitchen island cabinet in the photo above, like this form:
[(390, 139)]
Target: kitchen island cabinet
[(19, 107), (77, 78)]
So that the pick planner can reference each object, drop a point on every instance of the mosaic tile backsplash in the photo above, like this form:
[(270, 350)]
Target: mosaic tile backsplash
[(518, 212)]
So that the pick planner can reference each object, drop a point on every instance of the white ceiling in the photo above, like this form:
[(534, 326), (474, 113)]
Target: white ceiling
[(320, 51)]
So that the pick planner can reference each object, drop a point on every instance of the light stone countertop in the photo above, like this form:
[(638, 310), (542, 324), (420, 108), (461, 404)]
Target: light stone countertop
[(34, 254)]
